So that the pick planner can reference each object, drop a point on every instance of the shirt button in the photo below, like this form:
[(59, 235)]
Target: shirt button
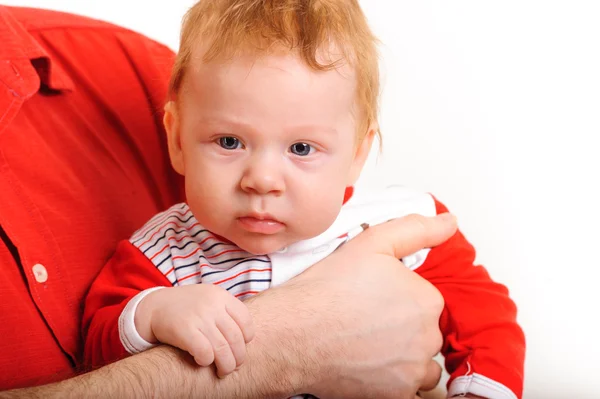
[(281, 251), (40, 273)]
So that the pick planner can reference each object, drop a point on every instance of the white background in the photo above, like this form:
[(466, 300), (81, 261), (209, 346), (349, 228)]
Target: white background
[(493, 106)]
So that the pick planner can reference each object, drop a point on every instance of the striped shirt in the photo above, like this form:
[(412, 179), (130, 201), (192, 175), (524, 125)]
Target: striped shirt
[(186, 253)]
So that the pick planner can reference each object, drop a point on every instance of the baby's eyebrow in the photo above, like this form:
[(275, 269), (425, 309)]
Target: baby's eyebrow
[(225, 122), (314, 128)]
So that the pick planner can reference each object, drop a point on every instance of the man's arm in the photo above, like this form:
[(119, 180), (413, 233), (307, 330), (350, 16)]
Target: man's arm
[(329, 332), (159, 372)]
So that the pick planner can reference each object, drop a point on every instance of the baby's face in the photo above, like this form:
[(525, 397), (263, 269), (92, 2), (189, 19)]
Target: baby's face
[(267, 147)]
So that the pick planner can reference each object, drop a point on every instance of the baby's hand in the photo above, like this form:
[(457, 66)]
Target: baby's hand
[(203, 319)]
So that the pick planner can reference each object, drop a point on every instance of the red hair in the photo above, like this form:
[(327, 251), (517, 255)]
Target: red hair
[(310, 28)]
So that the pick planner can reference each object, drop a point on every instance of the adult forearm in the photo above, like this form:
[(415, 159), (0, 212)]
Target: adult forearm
[(166, 372), (327, 332), (154, 373), (162, 372)]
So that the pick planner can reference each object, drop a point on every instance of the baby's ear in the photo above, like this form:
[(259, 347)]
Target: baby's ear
[(363, 148), (172, 127)]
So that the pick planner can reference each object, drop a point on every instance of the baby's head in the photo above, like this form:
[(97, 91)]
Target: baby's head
[(272, 114)]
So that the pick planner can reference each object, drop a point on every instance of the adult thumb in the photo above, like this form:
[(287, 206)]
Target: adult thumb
[(404, 236)]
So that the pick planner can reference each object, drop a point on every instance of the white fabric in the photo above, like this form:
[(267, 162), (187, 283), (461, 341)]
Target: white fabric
[(130, 338), (373, 207), (480, 385)]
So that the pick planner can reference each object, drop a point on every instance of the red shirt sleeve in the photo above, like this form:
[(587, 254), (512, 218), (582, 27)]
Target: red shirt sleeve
[(481, 334), (125, 275)]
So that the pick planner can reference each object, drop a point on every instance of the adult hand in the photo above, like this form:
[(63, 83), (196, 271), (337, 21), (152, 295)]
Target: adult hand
[(356, 325), (359, 324)]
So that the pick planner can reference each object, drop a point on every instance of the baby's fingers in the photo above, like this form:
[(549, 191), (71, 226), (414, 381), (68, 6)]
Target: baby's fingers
[(224, 358), (241, 316), (196, 344), (232, 333), (202, 351)]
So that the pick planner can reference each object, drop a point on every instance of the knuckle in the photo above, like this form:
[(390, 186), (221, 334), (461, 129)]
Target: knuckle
[(235, 335), (437, 301), (235, 307), (420, 372), (418, 222), (202, 347), (240, 355), (213, 289), (243, 317), (229, 328), (432, 300), (369, 234), (431, 343), (221, 347), (186, 328), (437, 340)]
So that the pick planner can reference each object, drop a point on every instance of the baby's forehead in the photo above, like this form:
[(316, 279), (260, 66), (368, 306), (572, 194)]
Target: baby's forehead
[(270, 70), (326, 59), (271, 91), (273, 72)]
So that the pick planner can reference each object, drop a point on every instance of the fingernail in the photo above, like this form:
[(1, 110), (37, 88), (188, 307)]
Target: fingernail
[(447, 217)]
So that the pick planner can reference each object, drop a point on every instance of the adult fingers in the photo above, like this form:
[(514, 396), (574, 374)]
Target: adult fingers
[(407, 235), (432, 376)]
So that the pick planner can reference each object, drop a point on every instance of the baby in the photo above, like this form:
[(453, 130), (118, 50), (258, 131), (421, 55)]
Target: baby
[(272, 114)]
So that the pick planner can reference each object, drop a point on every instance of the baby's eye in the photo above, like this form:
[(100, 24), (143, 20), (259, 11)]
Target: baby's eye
[(301, 149), (230, 143)]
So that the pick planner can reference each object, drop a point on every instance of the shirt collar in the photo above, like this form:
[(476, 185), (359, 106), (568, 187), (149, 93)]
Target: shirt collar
[(28, 61)]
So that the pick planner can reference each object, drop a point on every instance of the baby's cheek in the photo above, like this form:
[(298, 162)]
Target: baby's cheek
[(321, 217)]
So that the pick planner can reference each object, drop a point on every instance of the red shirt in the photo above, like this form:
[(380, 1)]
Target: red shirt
[(71, 187)]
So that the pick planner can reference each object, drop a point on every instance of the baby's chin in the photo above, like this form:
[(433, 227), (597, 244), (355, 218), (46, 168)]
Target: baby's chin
[(258, 244), (261, 246)]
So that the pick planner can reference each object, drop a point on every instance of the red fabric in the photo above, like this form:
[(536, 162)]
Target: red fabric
[(126, 274), (71, 187), (348, 194), (481, 334)]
